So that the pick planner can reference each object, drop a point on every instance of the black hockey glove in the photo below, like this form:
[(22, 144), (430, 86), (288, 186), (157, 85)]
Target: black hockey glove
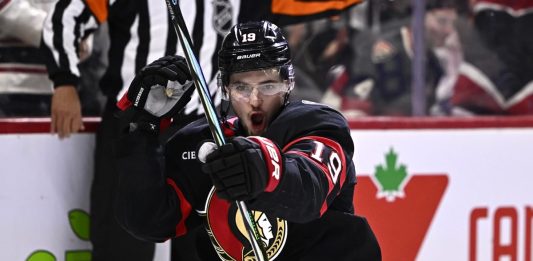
[(243, 168), (158, 91)]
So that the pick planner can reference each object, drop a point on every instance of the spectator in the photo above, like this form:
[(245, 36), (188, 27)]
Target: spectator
[(496, 75), (24, 87), (380, 82), (322, 49), (139, 32)]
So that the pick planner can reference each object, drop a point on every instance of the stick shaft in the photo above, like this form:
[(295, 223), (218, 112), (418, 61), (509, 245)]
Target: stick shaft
[(211, 115)]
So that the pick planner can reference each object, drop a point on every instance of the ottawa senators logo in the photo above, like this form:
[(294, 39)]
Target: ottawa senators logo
[(227, 232)]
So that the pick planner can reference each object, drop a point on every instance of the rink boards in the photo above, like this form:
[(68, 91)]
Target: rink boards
[(431, 189)]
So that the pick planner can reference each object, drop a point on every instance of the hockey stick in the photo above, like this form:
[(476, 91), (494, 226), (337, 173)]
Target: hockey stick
[(211, 115)]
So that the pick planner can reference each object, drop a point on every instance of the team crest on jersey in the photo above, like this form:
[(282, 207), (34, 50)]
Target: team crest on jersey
[(228, 235), (222, 17)]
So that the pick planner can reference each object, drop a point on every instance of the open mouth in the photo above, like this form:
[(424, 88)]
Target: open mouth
[(258, 123), (257, 119)]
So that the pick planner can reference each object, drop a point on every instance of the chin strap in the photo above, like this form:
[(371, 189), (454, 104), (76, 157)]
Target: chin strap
[(286, 98), (224, 110)]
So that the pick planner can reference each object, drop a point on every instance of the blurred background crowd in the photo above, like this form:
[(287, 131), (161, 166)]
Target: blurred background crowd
[(380, 58)]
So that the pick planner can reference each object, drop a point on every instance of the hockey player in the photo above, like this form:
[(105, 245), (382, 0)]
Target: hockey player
[(139, 32), (290, 161)]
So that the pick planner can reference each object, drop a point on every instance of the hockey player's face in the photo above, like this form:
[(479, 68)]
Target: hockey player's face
[(256, 96)]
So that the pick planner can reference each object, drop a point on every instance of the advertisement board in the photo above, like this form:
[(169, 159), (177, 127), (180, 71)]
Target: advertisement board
[(44, 193), (448, 190), (454, 194)]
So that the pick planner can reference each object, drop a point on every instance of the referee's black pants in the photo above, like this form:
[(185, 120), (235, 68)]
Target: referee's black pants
[(110, 241)]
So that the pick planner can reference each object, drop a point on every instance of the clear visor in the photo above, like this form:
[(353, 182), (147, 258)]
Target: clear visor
[(268, 89), (269, 83)]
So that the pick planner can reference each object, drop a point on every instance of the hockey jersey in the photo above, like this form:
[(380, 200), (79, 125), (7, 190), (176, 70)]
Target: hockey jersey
[(22, 69), (495, 77), (163, 192)]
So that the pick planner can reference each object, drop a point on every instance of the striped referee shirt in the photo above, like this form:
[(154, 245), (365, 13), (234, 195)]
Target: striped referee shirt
[(140, 31)]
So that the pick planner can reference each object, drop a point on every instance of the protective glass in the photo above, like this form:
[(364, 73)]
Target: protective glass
[(243, 91)]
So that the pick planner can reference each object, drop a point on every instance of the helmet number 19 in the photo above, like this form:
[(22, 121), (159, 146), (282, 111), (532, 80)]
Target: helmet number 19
[(249, 37)]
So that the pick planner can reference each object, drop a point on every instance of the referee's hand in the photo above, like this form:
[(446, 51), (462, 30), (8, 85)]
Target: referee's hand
[(65, 112)]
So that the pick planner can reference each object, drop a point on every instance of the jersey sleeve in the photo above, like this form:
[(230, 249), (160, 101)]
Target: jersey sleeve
[(148, 204), (22, 21), (66, 25), (318, 172)]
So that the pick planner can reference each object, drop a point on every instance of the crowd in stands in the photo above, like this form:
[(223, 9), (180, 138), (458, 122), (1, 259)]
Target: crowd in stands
[(478, 60)]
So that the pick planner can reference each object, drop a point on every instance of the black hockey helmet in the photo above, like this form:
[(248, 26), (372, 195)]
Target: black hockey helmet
[(253, 46)]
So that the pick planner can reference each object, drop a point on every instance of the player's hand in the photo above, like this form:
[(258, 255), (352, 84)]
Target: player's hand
[(163, 87), (243, 168), (157, 92), (65, 111)]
